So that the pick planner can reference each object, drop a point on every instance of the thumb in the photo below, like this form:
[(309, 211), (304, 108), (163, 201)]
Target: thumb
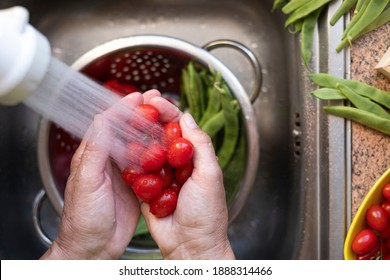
[(204, 159)]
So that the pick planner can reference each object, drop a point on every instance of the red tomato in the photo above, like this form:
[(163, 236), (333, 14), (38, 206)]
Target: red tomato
[(386, 191), (171, 132), (373, 254), (384, 234), (129, 174), (182, 173), (166, 175), (122, 89), (386, 205), (134, 151), (147, 186), (376, 217), (175, 186), (164, 204), (364, 241), (154, 157), (388, 243), (386, 257), (180, 151), (148, 112)]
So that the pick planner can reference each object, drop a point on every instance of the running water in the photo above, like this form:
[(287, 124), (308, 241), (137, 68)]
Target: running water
[(71, 100)]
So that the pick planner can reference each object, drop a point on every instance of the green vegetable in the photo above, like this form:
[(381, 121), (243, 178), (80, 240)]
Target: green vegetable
[(328, 94), (329, 81), (214, 124), (307, 35), (355, 19), (305, 10), (293, 5), (214, 99), (278, 4), (343, 9), (360, 116), (363, 103)]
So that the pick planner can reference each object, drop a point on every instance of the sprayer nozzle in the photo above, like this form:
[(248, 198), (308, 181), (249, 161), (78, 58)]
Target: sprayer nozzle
[(24, 56)]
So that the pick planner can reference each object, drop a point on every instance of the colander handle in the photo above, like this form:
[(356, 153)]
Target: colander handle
[(37, 205), (249, 54)]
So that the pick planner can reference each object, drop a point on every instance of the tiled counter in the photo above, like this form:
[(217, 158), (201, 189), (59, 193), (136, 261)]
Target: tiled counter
[(370, 149)]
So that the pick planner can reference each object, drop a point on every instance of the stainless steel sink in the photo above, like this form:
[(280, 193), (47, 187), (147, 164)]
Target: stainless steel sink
[(297, 207)]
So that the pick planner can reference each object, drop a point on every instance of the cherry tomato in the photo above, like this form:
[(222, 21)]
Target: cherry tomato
[(180, 151), (134, 151), (364, 242), (166, 175), (388, 243), (122, 89), (129, 174), (373, 254), (147, 186), (386, 257), (376, 217), (171, 132), (175, 186), (148, 112), (164, 204), (386, 191), (384, 234), (182, 173), (386, 205), (154, 157)]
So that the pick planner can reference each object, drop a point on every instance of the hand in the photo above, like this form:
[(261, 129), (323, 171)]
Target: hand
[(198, 227), (100, 212)]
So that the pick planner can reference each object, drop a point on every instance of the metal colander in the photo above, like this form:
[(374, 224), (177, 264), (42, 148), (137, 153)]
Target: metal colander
[(148, 62)]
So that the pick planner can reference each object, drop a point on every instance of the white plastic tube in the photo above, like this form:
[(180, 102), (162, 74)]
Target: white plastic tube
[(24, 56)]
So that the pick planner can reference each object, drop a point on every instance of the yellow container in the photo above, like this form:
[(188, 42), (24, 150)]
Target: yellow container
[(373, 197)]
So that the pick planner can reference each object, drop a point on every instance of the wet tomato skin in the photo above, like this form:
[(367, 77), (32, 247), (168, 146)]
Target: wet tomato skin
[(154, 157), (164, 204), (364, 242), (377, 217), (147, 186), (180, 151), (386, 206), (386, 191), (372, 255), (182, 173), (166, 175), (130, 174), (171, 132)]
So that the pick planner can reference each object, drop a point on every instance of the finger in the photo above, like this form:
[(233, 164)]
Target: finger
[(123, 110), (150, 94), (168, 111), (204, 158)]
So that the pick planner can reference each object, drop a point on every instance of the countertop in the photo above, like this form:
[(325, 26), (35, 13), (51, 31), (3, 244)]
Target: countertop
[(370, 149)]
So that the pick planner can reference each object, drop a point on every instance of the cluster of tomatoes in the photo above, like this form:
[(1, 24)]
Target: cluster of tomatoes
[(374, 242)]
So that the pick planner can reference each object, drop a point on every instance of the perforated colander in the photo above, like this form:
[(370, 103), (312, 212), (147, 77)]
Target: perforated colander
[(146, 62)]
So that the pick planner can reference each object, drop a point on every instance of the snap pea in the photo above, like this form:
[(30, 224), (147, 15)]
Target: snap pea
[(214, 124), (293, 5), (373, 10), (328, 94), (305, 10), (231, 130), (214, 99), (296, 27), (355, 19), (343, 9), (278, 4), (329, 81), (307, 36), (360, 116), (359, 5), (362, 102)]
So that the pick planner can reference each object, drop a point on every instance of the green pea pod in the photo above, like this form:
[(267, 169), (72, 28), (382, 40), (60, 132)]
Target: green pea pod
[(373, 10), (230, 109), (214, 102), (308, 26), (214, 124), (359, 5), (363, 103), (296, 27), (363, 117), (293, 5), (195, 93), (278, 4), (355, 18), (329, 81), (343, 9), (328, 94), (305, 10)]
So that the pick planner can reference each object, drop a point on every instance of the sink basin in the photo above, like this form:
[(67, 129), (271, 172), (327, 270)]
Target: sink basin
[(297, 206)]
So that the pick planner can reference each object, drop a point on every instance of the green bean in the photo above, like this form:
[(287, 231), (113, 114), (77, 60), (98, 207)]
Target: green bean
[(296, 27), (362, 102), (359, 5), (213, 125), (355, 19), (308, 26), (293, 5), (328, 94), (196, 93), (343, 9), (278, 4), (214, 102), (377, 95), (365, 118), (382, 19), (305, 10), (231, 130), (373, 10)]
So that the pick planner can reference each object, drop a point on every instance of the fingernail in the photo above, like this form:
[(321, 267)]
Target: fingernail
[(189, 121)]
